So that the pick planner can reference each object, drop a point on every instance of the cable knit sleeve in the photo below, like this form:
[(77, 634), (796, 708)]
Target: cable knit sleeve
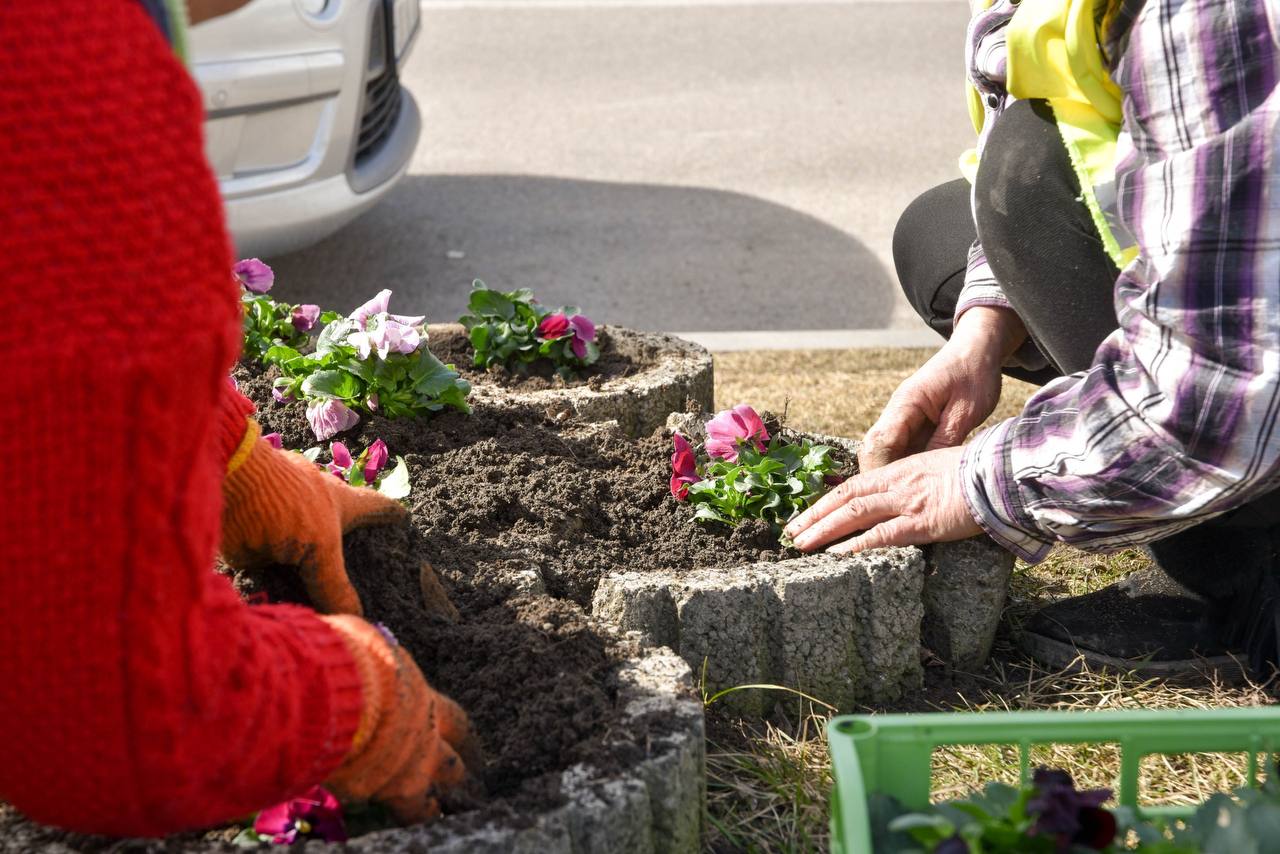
[(138, 695)]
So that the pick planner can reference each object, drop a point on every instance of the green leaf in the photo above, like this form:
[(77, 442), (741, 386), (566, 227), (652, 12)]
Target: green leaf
[(707, 513), (334, 336), (489, 303), (249, 838), (312, 454), (480, 337), (395, 483), (338, 385), (921, 821)]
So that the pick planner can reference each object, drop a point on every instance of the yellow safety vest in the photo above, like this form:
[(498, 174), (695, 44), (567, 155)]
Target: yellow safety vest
[(1053, 54)]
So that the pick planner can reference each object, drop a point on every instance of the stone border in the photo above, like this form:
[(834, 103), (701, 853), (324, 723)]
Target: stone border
[(846, 630), (681, 373), (654, 807)]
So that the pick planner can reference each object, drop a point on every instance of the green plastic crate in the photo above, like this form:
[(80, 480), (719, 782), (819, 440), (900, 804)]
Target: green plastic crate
[(890, 754)]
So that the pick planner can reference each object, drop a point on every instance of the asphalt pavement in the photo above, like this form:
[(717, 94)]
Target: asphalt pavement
[(719, 167)]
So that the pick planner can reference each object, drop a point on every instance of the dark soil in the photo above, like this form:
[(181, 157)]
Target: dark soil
[(452, 346), (506, 490)]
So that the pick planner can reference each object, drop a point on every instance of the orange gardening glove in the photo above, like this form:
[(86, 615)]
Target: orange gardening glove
[(405, 751), (279, 507)]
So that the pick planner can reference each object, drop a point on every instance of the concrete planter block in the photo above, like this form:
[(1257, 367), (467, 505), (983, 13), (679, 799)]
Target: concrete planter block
[(964, 596), (844, 629), (652, 807), (679, 374)]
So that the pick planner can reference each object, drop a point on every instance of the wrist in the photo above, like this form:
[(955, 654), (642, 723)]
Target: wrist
[(990, 333)]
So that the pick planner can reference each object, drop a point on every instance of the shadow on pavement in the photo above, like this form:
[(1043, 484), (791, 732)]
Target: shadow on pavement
[(640, 255)]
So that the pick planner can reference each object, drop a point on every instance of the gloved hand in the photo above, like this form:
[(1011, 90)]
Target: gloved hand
[(405, 751), (279, 507)]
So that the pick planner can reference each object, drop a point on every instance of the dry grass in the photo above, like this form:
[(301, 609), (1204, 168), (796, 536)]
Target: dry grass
[(767, 784)]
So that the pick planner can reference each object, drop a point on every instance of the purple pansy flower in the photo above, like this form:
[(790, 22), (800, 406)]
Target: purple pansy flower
[(315, 815), (1073, 818), (278, 395), (684, 467), (274, 440), (732, 426), (255, 276), (304, 317), (330, 417)]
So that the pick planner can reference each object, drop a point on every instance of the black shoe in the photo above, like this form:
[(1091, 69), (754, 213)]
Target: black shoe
[(1146, 623)]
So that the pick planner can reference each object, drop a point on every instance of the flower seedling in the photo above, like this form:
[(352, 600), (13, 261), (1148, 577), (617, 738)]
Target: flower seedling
[(372, 361), (267, 322), (746, 474), (1049, 816), (512, 330), (315, 815), (370, 468)]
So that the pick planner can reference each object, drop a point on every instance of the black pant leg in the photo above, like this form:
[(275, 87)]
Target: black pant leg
[(1040, 240)]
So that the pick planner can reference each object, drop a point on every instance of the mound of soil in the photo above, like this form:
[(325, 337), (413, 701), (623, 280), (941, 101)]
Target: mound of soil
[(451, 345)]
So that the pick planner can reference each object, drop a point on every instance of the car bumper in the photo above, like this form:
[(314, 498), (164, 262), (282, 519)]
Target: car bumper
[(282, 221)]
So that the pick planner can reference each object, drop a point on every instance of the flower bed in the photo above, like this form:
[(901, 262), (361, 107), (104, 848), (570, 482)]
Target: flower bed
[(640, 378)]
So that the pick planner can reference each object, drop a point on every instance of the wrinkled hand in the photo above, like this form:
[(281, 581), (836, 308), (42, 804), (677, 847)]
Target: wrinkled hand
[(409, 747), (954, 392), (910, 502), (280, 508)]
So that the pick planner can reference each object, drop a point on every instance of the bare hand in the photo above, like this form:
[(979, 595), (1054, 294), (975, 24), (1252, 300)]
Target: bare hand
[(910, 502), (954, 392)]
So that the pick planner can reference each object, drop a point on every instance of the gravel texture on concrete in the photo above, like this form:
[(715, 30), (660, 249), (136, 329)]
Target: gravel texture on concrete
[(964, 595)]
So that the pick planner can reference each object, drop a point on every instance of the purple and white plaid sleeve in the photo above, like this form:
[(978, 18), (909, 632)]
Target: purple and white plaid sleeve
[(1176, 420)]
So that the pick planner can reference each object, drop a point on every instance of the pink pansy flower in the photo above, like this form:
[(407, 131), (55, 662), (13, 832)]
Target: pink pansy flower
[(378, 305), (278, 395), (684, 467), (255, 276), (584, 331), (330, 417), (374, 461), (304, 317), (727, 429), (274, 440), (372, 403), (315, 815), (387, 336), (341, 460), (553, 326)]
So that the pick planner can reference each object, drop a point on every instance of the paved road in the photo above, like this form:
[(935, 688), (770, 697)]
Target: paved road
[(727, 166)]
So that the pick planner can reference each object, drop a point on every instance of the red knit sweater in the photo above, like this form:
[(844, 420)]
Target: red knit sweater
[(138, 695)]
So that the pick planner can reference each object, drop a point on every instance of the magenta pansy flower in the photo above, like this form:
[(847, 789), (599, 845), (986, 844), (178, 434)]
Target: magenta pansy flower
[(255, 276), (274, 440), (556, 326), (684, 467), (330, 417), (729, 428), (584, 331), (341, 460), (553, 326), (304, 317), (315, 815), (377, 458)]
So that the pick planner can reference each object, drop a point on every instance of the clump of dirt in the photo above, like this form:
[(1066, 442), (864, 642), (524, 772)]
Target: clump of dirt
[(451, 345)]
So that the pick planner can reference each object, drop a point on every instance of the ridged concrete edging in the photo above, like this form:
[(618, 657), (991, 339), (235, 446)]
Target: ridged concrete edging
[(652, 807), (845, 629), (680, 374)]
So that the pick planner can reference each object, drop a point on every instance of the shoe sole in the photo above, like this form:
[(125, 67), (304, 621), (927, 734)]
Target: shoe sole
[(1062, 656)]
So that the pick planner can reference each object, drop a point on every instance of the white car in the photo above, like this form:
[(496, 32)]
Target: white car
[(307, 123)]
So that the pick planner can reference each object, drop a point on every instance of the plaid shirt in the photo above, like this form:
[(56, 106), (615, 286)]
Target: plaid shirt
[(1176, 421)]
